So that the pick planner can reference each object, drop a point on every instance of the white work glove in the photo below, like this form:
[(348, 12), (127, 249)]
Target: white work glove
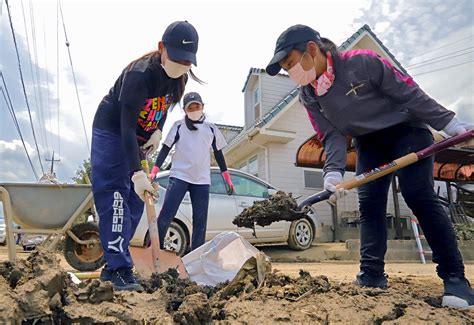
[(152, 144), (331, 179), (142, 184), (456, 127)]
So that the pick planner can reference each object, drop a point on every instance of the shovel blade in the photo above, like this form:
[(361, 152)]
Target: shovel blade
[(143, 260)]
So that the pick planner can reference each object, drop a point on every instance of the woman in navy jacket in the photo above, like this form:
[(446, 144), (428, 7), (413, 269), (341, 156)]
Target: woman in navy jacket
[(128, 121), (361, 94)]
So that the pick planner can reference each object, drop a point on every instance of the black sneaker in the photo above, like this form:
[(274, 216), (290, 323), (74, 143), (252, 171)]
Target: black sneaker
[(365, 279), (105, 274), (458, 293), (123, 279)]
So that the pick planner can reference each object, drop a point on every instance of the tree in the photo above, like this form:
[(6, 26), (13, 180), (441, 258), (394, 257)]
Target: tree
[(82, 172)]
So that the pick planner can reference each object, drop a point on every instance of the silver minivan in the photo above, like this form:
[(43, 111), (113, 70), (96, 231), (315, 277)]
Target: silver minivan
[(222, 210)]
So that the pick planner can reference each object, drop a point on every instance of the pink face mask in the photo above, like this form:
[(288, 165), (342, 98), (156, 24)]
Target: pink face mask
[(300, 76)]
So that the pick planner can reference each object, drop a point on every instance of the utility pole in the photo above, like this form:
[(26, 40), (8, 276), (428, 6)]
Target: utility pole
[(52, 163)]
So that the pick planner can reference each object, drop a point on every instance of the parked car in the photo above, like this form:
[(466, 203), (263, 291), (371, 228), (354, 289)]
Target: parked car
[(223, 208), (3, 232)]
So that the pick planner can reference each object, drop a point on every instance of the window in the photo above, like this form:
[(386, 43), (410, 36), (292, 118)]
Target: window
[(256, 97), (217, 184), (244, 186), (256, 103), (250, 166), (313, 179), (253, 166)]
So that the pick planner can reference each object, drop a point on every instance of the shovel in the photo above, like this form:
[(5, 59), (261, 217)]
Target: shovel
[(149, 260), (390, 167)]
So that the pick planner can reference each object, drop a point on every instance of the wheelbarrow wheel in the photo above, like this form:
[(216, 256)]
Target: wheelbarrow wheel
[(84, 257)]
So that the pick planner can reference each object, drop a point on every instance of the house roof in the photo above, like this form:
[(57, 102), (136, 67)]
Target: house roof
[(295, 92), (253, 71), (229, 127), (345, 45)]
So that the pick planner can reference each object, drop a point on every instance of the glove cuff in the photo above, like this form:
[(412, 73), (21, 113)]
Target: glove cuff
[(226, 175), (137, 175), (155, 170), (452, 124), (333, 174)]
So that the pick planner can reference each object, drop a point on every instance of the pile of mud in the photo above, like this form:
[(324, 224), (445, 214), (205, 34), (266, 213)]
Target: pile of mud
[(38, 291), (278, 207)]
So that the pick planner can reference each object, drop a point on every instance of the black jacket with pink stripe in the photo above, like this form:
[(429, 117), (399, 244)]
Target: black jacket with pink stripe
[(368, 94)]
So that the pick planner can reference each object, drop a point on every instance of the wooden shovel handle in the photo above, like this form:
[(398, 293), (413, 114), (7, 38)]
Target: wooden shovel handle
[(152, 219), (390, 167)]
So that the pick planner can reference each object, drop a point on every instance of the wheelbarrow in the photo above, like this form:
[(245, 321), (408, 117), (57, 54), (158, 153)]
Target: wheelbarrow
[(52, 209)]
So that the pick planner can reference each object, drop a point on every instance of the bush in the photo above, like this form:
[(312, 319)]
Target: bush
[(464, 231)]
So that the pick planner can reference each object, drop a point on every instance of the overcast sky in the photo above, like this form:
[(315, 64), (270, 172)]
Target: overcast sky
[(105, 36)]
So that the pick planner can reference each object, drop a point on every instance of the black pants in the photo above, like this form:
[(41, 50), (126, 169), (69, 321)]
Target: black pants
[(416, 184), (175, 192)]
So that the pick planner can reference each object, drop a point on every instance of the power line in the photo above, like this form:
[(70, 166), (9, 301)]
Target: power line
[(441, 47), (38, 78), (35, 91), (74, 77), (15, 121), (440, 60), (57, 72), (451, 66), (23, 85), (47, 86), (440, 56)]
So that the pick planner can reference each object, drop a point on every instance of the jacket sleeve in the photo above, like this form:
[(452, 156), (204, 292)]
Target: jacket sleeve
[(403, 90), (334, 142), (131, 100)]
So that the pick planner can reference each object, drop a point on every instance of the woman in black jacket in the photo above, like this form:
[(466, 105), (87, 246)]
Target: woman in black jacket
[(361, 94)]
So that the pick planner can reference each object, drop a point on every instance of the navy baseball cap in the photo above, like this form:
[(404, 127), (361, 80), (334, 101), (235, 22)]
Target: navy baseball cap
[(287, 41), (190, 98), (181, 41)]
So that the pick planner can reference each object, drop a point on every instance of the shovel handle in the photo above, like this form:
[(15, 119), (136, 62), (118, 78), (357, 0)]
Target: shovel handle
[(390, 167), (152, 219)]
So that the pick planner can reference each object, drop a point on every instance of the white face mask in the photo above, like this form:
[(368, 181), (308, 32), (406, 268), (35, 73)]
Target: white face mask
[(175, 70), (195, 116), (300, 76)]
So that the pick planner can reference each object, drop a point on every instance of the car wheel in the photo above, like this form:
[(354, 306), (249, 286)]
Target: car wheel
[(301, 235), (175, 239)]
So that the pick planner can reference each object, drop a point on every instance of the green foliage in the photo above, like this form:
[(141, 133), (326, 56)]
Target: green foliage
[(81, 172), (464, 231)]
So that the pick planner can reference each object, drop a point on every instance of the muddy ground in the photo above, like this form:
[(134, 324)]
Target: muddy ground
[(38, 290)]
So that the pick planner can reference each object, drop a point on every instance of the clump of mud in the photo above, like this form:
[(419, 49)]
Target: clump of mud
[(278, 207), (186, 301)]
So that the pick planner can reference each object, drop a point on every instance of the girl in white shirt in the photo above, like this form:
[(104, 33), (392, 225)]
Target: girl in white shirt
[(190, 167)]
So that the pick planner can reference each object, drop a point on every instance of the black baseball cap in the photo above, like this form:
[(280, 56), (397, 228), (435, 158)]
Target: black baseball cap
[(287, 41), (190, 98), (181, 41)]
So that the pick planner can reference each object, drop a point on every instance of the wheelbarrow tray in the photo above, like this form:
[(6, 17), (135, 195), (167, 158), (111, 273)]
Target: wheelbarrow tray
[(45, 206)]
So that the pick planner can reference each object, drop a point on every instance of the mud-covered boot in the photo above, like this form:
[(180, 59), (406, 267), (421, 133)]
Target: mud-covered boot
[(124, 279), (105, 274), (370, 280)]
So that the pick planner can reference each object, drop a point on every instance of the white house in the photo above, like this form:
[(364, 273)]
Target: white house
[(276, 124)]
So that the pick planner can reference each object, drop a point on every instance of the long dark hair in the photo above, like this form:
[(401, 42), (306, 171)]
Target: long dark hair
[(176, 86), (324, 45)]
